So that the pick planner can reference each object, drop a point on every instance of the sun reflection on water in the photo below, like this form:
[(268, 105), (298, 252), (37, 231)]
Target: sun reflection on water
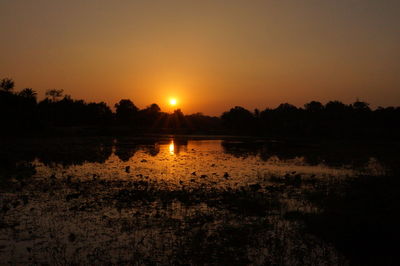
[(172, 148)]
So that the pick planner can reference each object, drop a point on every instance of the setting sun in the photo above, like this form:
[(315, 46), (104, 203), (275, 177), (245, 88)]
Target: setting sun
[(262, 132), (173, 101)]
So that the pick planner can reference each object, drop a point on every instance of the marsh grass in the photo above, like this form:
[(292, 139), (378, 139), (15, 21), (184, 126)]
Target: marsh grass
[(69, 215)]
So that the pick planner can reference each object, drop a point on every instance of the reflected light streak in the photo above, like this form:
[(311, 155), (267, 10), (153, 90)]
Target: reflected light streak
[(172, 148)]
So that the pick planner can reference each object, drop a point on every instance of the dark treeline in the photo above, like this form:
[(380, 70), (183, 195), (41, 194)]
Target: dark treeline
[(21, 113), (333, 120)]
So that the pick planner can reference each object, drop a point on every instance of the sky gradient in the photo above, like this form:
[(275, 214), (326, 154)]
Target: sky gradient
[(210, 55)]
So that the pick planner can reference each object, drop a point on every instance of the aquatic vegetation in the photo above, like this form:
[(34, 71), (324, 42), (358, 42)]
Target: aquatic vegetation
[(194, 204)]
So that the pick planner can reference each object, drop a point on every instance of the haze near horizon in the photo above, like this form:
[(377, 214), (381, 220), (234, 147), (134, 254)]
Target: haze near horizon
[(209, 55)]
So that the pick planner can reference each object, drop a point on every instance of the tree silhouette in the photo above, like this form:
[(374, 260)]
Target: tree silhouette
[(150, 116), (361, 106), (28, 93), (286, 107), (238, 119), (154, 108), (7, 84), (126, 111), (54, 94), (177, 120), (314, 106), (336, 107), (20, 113)]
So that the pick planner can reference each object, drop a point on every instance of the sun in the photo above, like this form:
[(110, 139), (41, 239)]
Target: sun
[(173, 101)]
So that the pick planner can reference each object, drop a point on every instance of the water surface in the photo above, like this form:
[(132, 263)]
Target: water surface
[(171, 200)]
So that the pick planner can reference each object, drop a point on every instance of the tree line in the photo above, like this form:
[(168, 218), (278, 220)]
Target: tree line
[(22, 113)]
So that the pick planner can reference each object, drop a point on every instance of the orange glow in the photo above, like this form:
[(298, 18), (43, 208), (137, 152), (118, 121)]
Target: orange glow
[(172, 148), (210, 56)]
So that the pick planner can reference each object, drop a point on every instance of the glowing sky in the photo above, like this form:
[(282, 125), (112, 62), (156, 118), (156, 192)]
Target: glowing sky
[(210, 55)]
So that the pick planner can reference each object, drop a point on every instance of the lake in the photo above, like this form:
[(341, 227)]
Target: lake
[(183, 200)]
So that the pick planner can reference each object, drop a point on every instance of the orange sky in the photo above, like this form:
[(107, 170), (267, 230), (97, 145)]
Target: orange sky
[(210, 55)]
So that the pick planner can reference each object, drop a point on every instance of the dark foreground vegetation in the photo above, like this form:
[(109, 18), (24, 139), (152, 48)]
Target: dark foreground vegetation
[(209, 217), (360, 218), (22, 114)]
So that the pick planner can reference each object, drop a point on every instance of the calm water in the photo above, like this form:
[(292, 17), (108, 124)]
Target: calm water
[(205, 161), (170, 200), (175, 160)]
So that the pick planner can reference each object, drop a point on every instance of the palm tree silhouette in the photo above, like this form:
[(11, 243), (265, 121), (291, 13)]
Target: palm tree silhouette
[(7, 84), (28, 93)]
